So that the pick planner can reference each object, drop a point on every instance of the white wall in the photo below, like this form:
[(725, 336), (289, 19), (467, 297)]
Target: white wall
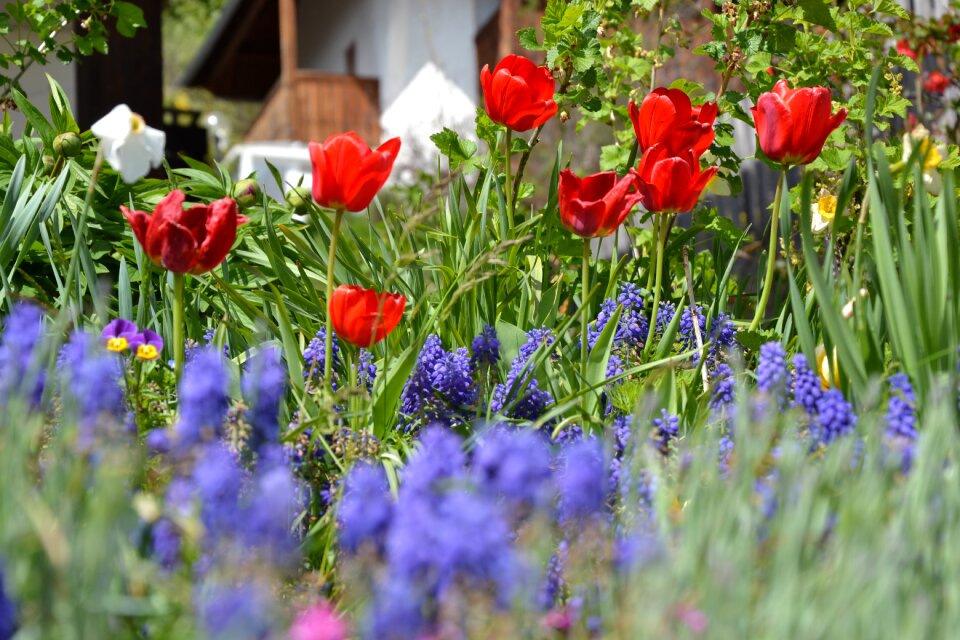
[(421, 51), (326, 29)]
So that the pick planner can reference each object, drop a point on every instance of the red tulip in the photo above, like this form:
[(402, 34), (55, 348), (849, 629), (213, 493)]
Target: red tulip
[(593, 207), (347, 174), (364, 317), (194, 240), (936, 83), (666, 117), (904, 48), (668, 183), (518, 94), (793, 124)]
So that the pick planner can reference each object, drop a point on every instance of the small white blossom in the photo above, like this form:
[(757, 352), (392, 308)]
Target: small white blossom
[(129, 145)]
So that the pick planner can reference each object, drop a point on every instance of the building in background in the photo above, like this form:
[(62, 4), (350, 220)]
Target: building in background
[(382, 68)]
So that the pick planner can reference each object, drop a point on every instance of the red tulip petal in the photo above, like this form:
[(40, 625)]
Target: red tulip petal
[(672, 177), (584, 218), (221, 232), (774, 124), (781, 89), (373, 172), (542, 84), (568, 187), (195, 220), (178, 249), (139, 221), (167, 210), (657, 116), (597, 186), (810, 112)]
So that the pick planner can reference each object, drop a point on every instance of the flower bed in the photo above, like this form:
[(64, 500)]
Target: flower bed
[(446, 411)]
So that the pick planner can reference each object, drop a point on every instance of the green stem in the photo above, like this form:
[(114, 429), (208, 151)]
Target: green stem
[(654, 250), (771, 254), (508, 186), (81, 227), (178, 324), (585, 315), (328, 347), (663, 230)]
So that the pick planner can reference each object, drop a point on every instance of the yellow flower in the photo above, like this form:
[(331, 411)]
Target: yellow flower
[(117, 345), (147, 352), (823, 211), (929, 151), (829, 376)]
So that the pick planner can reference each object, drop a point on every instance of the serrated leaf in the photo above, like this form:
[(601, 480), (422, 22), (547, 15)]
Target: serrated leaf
[(528, 39), (459, 152), (818, 12)]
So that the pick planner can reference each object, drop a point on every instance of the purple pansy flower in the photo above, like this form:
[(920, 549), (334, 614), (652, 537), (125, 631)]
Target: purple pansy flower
[(118, 335), (147, 345)]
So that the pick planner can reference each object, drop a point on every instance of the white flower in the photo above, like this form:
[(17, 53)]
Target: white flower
[(931, 156), (822, 211), (129, 145)]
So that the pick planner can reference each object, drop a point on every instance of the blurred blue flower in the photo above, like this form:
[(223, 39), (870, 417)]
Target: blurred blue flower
[(93, 382), (165, 542), (806, 385), (665, 429), (269, 509), (723, 387), (203, 400), (439, 460), (264, 383), (8, 612), (396, 612), (365, 510), (515, 466), (217, 479), (835, 418), (21, 366), (901, 431), (582, 480), (772, 370), (235, 612)]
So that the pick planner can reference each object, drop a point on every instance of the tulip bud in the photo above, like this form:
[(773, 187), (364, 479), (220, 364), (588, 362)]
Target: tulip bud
[(68, 144), (246, 192), (299, 199), (48, 164)]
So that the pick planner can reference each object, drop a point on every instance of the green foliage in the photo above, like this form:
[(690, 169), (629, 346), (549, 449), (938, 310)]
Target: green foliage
[(63, 31)]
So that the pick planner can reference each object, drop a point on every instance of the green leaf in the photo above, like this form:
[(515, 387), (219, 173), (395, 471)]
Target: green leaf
[(129, 18), (459, 152), (386, 396), (528, 39), (818, 12), (598, 357), (35, 119)]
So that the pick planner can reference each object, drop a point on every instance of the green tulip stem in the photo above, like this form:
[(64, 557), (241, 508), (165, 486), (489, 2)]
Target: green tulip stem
[(508, 183), (771, 254), (328, 347), (82, 225), (662, 231), (653, 249), (179, 350), (585, 315)]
